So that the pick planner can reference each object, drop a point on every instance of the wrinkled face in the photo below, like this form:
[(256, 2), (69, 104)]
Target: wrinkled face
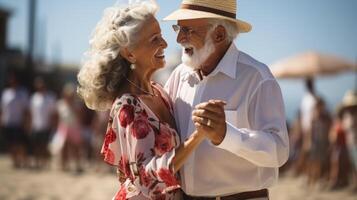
[(196, 41), (149, 51)]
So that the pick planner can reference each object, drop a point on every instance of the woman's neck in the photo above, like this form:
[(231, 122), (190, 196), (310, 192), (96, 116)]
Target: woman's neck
[(139, 81)]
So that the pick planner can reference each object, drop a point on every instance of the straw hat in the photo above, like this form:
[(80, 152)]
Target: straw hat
[(348, 101), (221, 9)]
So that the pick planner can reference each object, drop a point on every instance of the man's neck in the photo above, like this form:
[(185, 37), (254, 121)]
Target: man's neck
[(214, 59)]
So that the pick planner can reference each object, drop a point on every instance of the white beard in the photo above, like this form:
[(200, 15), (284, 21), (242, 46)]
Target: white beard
[(199, 56)]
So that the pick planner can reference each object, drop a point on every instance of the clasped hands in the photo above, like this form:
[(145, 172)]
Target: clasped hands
[(210, 120)]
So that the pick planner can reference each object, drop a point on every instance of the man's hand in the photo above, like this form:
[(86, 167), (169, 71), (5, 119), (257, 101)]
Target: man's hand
[(209, 118)]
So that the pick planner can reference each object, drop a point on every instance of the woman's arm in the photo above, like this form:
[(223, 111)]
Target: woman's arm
[(185, 150)]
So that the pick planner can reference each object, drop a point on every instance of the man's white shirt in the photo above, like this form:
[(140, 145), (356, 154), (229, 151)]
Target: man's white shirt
[(256, 141)]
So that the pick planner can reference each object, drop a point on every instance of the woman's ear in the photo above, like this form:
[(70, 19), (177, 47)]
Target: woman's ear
[(220, 34), (125, 53)]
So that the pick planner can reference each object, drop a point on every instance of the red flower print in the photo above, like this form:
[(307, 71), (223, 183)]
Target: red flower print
[(121, 194), (141, 127), (145, 179), (110, 136), (126, 115), (164, 141), (124, 166), (168, 178), (109, 156)]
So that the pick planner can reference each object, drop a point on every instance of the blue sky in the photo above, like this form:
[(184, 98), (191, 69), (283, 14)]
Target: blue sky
[(280, 28)]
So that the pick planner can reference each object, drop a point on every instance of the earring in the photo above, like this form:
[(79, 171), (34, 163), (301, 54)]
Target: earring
[(132, 66)]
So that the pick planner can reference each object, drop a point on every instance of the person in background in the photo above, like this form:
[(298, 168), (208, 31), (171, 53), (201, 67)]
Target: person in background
[(339, 159), (348, 112), (307, 106), (295, 141), (68, 124), (319, 152), (99, 130), (86, 119), (42, 109), (14, 120)]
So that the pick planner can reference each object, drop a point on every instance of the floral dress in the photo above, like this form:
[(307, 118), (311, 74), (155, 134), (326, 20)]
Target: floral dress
[(142, 147)]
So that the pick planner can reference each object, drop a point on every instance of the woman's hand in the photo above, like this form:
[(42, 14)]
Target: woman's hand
[(210, 120), (215, 110), (185, 149)]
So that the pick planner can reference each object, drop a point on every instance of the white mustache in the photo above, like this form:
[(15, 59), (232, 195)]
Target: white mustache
[(185, 45)]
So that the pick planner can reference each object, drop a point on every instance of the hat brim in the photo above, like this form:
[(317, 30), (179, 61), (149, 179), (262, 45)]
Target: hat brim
[(185, 14)]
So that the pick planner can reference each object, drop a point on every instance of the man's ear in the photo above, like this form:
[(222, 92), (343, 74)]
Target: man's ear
[(125, 53), (220, 34)]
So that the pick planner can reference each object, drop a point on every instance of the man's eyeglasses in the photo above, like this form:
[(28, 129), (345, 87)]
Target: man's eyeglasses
[(186, 29)]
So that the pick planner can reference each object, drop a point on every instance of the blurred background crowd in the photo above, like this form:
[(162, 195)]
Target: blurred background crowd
[(44, 125), (39, 124), (323, 144)]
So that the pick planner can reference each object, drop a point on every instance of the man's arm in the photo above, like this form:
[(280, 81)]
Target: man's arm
[(265, 142)]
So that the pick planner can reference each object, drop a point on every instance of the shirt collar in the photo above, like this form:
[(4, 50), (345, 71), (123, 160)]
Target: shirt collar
[(228, 63), (189, 74)]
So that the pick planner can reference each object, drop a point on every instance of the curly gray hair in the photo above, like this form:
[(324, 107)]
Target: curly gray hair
[(104, 69)]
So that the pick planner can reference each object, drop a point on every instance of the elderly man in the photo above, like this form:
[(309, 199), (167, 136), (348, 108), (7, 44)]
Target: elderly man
[(248, 138)]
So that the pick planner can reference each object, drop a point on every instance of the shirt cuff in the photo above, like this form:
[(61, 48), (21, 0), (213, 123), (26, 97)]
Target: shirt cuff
[(232, 140)]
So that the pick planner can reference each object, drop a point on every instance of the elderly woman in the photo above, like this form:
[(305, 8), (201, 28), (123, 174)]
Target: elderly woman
[(125, 50)]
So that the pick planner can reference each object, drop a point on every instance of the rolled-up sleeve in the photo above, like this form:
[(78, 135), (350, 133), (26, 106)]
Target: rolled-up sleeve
[(265, 142)]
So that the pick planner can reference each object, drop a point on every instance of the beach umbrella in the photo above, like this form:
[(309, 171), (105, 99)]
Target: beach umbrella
[(311, 64)]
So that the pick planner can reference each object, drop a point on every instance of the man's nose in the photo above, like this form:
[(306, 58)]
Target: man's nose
[(181, 37)]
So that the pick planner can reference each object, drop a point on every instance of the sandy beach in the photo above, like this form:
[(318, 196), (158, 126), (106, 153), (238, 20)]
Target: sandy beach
[(25, 184), (54, 184)]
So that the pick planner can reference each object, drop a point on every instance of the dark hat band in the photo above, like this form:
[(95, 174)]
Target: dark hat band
[(207, 9)]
